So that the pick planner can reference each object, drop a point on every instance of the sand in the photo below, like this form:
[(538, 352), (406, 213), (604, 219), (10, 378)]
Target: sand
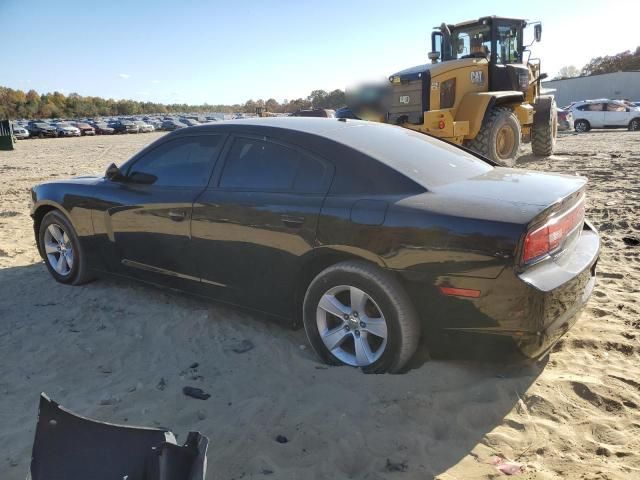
[(120, 351)]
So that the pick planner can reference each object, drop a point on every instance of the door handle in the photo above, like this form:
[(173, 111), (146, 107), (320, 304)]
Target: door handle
[(177, 215), (292, 222)]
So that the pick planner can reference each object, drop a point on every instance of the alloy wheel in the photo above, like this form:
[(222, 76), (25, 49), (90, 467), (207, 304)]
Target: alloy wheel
[(59, 250), (351, 326)]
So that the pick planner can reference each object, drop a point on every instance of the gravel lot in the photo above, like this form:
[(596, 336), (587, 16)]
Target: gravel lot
[(119, 351)]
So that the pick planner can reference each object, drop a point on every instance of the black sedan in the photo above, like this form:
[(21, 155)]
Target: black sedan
[(372, 234)]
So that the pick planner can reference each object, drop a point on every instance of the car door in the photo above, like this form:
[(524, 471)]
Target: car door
[(616, 115), (252, 226), (149, 212), (594, 113)]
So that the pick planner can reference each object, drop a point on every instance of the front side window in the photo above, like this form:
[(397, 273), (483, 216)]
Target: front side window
[(183, 162), (471, 42), (256, 164)]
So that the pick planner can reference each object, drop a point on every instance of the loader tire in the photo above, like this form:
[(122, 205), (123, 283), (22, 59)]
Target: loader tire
[(545, 127), (499, 137)]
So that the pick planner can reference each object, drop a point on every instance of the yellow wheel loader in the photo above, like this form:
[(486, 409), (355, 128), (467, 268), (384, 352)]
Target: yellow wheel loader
[(478, 91)]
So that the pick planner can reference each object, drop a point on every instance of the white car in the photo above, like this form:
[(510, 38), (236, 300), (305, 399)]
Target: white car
[(144, 127), (604, 114), (64, 129), (20, 132)]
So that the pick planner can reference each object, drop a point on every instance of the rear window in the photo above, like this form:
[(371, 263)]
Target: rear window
[(424, 159)]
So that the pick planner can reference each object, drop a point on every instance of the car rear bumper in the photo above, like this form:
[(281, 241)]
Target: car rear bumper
[(533, 309)]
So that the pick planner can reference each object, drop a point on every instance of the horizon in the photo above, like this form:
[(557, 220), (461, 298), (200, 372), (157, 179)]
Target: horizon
[(223, 55)]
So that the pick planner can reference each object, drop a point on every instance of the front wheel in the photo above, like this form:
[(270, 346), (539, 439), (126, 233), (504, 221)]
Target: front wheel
[(634, 125), (61, 250), (359, 315), (499, 137)]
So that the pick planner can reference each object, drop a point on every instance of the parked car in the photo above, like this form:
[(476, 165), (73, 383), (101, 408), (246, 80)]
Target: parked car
[(124, 126), (102, 128), (41, 130), (20, 132), (604, 114), (317, 112), (64, 129), (171, 125), (85, 128), (144, 127), (565, 119), (370, 233), (189, 122)]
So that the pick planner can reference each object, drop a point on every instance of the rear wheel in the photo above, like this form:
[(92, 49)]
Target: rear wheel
[(356, 314), (634, 125), (545, 127), (499, 137), (61, 249), (581, 126)]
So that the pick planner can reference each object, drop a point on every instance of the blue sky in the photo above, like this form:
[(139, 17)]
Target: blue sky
[(230, 51)]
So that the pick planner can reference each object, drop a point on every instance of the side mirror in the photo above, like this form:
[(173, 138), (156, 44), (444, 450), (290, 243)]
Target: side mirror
[(434, 56), (537, 32), (113, 172)]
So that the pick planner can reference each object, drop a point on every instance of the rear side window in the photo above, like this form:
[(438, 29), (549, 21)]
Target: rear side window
[(257, 164), (183, 162), (594, 107), (616, 107)]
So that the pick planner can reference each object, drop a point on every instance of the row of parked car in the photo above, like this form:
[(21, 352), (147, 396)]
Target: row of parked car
[(584, 115), (103, 126)]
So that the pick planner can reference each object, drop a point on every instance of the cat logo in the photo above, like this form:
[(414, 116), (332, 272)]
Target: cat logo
[(404, 99), (477, 77)]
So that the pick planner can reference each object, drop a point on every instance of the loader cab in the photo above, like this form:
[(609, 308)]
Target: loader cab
[(498, 40)]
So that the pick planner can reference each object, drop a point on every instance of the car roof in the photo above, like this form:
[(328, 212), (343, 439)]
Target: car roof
[(392, 145)]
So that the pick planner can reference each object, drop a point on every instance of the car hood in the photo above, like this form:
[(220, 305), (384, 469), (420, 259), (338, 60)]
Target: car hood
[(87, 180), (501, 194)]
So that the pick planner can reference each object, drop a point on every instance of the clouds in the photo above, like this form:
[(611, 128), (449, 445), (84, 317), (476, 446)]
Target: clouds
[(124, 76)]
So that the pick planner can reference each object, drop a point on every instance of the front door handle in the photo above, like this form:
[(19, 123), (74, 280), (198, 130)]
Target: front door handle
[(177, 215), (292, 222)]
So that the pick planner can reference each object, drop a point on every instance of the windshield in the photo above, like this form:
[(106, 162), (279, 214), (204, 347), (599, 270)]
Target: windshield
[(507, 41)]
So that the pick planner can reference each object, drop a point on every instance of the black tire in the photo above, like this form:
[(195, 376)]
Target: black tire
[(486, 141), (79, 272), (581, 126), (545, 127), (403, 327), (634, 125)]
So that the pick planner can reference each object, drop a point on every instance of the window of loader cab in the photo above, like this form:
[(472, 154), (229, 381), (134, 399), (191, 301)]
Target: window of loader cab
[(471, 42), (182, 162), (258, 164), (507, 41)]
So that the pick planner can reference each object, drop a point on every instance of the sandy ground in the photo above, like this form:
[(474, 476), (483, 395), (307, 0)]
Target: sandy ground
[(121, 352)]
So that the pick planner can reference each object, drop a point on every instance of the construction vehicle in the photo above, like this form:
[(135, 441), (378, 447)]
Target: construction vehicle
[(478, 91)]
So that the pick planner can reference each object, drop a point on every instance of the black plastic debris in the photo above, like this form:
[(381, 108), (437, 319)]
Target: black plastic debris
[(195, 393), (631, 241), (244, 346), (70, 447)]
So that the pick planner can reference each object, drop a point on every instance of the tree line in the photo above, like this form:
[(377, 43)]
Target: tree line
[(620, 62), (15, 104)]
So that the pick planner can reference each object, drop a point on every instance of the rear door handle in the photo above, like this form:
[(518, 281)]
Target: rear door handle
[(177, 215), (292, 222)]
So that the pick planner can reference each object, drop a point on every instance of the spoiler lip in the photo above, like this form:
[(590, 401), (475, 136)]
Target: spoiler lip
[(72, 447)]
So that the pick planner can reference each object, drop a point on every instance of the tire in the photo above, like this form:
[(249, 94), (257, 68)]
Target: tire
[(581, 126), (78, 273), (545, 127), (634, 125), (500, 121), (385, 302)]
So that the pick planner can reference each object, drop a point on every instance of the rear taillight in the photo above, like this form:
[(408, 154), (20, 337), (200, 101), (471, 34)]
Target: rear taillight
[(551, 236)]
